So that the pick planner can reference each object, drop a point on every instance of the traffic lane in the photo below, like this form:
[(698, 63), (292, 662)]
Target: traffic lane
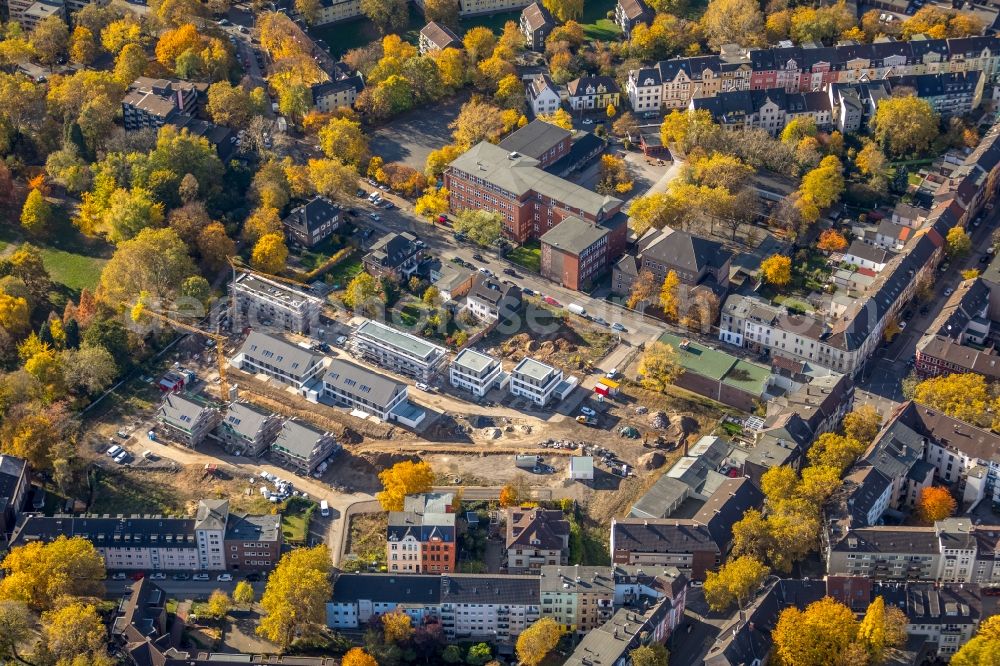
[(884, 378), (441, 243)]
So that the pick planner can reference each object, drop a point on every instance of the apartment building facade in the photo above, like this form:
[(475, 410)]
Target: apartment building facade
[(476, 372), (160, 543), (260, 301), (280, 360), (421, 542), (577, 252), (672, 84), (951, 551), (536, 24), (491, 300), (302, 447), (535, 381), (187, 420), (530, 200), (151, 103), (535, 537), (397, 351), (15, 482), (313, 222), (351, 385), (247, 430)]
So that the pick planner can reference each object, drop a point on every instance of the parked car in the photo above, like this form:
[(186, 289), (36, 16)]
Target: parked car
[(618, 327), (600, 320), (587, 411), (119, 576), (253, 577), (121, 457), (511, 272), (479, 257), (181, 576), (527, 292), (224, 578), (114, 450), (375, 216), (949, 291), (157, 575), (389, 205), (420, 386), (552, 301), (588, 121), (201, 576)]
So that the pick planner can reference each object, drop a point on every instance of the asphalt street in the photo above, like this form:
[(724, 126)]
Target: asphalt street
[(441, 244), (881, 381)]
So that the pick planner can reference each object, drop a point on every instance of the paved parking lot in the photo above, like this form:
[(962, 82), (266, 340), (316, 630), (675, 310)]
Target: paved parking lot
[(412, 136)]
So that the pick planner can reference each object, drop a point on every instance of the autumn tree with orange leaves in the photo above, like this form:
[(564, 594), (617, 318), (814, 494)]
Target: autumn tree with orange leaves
[(831, 241), (935, 503)]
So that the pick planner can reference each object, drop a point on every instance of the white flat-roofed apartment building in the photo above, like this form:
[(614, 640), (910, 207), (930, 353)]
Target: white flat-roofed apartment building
[(397, 351), (476, 372), (535, 381), (258, 300)]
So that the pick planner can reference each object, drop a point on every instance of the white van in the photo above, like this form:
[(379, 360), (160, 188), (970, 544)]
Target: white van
[(324, 508)]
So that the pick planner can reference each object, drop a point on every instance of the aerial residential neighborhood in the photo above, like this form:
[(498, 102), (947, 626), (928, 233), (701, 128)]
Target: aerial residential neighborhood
[(496, 332)]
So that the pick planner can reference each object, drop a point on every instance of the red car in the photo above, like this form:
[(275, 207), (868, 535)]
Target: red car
[(138, 575), (552, 301), (443, 219)]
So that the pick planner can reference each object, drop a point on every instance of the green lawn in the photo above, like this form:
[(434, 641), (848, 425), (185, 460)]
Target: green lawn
[(344, 272), (76, 271), (603, 29), (295, 519), (528, 255)]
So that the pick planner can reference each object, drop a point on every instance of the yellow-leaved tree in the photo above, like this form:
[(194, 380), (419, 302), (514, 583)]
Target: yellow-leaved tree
[(734, 582), (883, 627), (397, 627), (963, 396), (823, 633), (668, 296), (73, 633), (537, 641), (863, 424), (777, 270), (402, 479), (37, 574), (659, 366), (270, 254), (358, 657), (296, 595)]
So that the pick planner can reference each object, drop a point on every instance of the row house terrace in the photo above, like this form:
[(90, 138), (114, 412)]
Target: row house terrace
[(671, 84)]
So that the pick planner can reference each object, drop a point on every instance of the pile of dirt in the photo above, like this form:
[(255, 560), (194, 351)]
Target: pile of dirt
[(652, 460), (660, 420), (383, 460), (522, 344), (681, 427)]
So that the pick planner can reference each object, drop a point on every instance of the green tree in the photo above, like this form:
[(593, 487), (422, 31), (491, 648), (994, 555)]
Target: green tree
[(387, 15), (360, 292), (155, 261), (481, 226)]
